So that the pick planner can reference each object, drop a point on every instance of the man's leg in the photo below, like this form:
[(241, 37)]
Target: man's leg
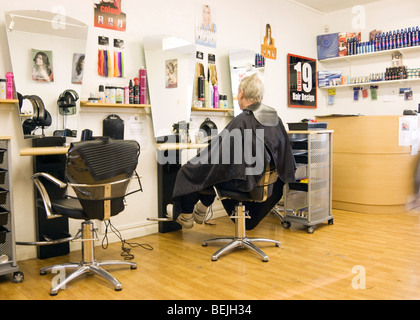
[(182, 209), (200, 209)]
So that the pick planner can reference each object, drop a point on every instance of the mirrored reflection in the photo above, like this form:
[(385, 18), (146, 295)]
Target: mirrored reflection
[(242, 63), (170, 63), (47, 52)]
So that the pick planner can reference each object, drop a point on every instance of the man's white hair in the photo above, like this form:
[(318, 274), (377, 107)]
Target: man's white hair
[(253, 88)]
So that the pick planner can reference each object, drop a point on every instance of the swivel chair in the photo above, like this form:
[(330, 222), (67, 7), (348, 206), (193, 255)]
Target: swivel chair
[(99, 172), (260, 193)]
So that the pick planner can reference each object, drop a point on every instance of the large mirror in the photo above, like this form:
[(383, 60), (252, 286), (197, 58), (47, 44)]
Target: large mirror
[(47, 51), (242, 63), (170, 63)]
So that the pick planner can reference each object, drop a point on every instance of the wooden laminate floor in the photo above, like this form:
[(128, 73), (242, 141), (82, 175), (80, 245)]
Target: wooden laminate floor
[(322, 265)]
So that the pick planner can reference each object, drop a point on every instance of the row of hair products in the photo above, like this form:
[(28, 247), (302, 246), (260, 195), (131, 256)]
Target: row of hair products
[(397, 39), (408, 37), (134, 93), (209, 95)]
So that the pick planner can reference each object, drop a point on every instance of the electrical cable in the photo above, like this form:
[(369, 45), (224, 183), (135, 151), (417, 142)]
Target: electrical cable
[(126, 252)]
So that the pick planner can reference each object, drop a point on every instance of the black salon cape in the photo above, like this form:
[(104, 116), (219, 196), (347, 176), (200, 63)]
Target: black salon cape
[(194, 177)]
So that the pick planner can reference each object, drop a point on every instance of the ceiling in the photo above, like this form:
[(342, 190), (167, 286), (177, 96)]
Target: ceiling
[(333, 5)]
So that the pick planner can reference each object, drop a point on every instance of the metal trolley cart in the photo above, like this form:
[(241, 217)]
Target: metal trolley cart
[(308, 201), (8, 264)]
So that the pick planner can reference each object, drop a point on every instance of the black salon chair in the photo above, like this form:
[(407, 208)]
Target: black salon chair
[(99, 172), (260, 193)]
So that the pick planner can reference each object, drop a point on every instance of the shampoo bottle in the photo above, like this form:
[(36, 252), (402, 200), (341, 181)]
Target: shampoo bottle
[(101, 94), (9, 85), (215, 97), (206, 94), (143, 85), (126, 95), (131, 92), (136, 90)]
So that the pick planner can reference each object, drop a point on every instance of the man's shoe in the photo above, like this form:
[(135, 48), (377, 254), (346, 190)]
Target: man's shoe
[(186, 220), (200, 212)]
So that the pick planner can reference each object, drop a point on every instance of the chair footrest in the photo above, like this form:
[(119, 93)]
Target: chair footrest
[(159, 219), (47, 242)]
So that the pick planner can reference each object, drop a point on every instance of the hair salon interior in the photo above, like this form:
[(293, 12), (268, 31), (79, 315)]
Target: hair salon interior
[(343, 77)]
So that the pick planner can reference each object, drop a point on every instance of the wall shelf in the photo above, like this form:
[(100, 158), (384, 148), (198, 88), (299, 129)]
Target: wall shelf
[(375, 83), (112, 105), (352, 60), (211, 109), (9, 101)]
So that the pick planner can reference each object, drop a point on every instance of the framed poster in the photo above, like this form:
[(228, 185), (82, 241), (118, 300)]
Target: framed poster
[(302, 80)]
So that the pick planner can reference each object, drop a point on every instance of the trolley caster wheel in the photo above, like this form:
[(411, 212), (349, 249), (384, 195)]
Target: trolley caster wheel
[(18, 277), (286, 224), (331, 221), (311, 230)]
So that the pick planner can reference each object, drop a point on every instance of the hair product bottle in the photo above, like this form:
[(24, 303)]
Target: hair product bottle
[(215, 97), (136, 91), (143, 85), (101, 94), (126, 95), (9, 85), (131, 92)]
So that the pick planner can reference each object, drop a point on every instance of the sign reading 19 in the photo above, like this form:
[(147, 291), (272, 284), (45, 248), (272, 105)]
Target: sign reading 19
[(303, 74)]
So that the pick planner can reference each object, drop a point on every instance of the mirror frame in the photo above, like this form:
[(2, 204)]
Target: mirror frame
[(45, 24)]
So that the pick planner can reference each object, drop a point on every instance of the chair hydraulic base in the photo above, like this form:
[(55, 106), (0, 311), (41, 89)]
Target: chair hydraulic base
[(89, 264), (240, 240)]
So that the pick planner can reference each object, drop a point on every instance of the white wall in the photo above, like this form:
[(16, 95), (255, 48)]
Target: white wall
[(239, 25), (386, 15)]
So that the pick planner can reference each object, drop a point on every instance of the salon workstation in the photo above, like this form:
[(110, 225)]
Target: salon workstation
[(118, 116)]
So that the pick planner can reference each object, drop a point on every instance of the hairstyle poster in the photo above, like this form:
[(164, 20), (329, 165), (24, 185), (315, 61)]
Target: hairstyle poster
[(205, 30), (171, 76), (268, 46), (108, 15), (42, 65), (78, 66)]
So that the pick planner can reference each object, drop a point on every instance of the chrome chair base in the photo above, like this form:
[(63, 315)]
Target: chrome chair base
[(88, 265), (82, 268), (240, 243), (240, 240)]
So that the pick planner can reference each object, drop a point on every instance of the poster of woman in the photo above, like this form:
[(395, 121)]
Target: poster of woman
[(205, 34), (42, 70), (268, 49), (171, 78), (78, 66)]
